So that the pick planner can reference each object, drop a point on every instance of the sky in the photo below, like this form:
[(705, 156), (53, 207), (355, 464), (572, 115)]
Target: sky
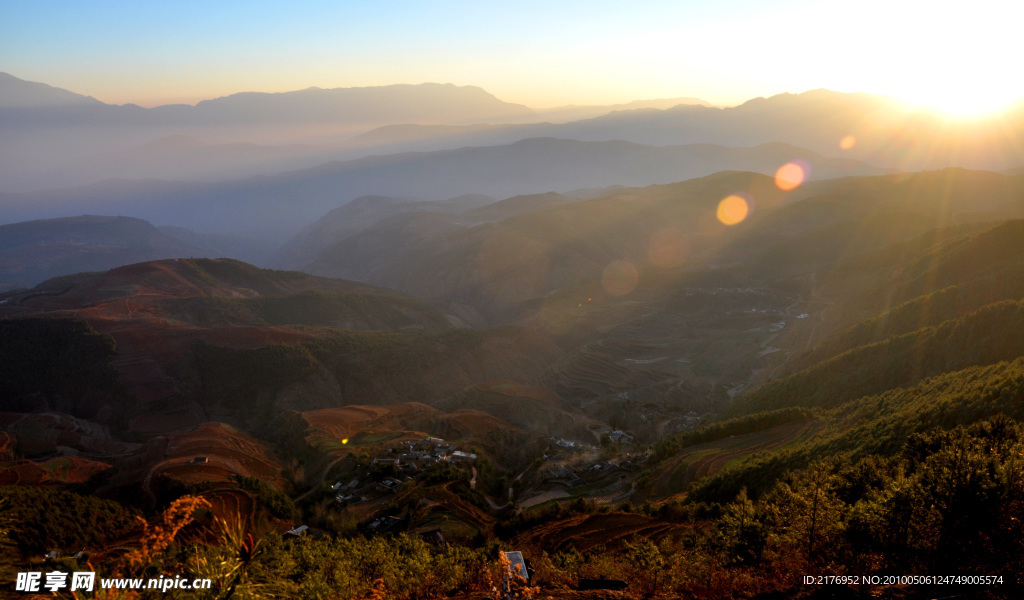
[(959, 56)]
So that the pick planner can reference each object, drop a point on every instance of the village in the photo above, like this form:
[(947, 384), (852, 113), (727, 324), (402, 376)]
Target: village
[(387, 474), (567, 469)]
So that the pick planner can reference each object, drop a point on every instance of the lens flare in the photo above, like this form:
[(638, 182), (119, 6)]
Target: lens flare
[(791, 175), (848, 142), (668, 247), (620, 277), (344, 441), (733, 209)]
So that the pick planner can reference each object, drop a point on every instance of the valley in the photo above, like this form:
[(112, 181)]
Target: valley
[(650, 358)]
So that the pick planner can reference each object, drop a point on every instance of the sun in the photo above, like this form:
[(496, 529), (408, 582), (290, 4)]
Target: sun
[(959, 60), (966, 101), (962, 86)]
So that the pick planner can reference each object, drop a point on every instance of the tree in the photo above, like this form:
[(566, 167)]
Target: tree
[(646, 563), (741, 532)]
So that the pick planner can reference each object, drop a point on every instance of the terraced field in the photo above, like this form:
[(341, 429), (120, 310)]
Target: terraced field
[(585, 532), (544, 497), (598, 369), (56, 471), (676, 474), (213, 452), (442, 508), (365, 425)]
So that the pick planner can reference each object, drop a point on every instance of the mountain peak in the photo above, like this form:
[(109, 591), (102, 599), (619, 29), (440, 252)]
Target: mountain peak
[(18, 93)]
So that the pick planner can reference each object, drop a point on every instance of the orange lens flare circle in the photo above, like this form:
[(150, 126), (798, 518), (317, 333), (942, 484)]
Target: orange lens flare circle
[(733, 209), (620, 277), (791, 175), (848, 142)]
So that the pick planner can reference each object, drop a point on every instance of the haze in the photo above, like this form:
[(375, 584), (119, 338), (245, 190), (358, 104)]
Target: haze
[(652, 300)]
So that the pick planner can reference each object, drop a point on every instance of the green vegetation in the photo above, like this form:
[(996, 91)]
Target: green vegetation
[(56, 364), (277, 503), (947, 500), (880, 425), (41, 520), (306, 569)]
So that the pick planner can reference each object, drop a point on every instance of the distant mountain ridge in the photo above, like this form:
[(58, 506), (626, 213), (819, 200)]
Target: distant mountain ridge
[(55, 138), (33, 251), (16, 93), (43, 127), (884, 131), (282, 205), (425, 102)]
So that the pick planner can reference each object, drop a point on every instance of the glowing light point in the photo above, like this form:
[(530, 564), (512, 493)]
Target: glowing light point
[(344, 441), (733, 209), (620, 277), (791, 175), (848, 142)]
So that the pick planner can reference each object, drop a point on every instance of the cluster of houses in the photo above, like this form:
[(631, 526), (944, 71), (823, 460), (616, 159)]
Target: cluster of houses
[(571, 477), (569, 444), (385, 524), (414, 457), (564, 474), (431, 450), (618, 436), (603, 468), (690, 420)]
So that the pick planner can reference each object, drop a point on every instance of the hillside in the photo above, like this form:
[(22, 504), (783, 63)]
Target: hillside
[(984, 337), (360, 215), (157, 312), (553, 246), (559, 244)]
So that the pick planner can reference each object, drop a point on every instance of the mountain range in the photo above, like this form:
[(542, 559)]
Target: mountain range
[(55, 138), (280, 205)]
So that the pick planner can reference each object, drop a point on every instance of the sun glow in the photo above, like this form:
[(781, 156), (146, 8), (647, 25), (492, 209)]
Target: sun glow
[(968, 99), (955, 61)]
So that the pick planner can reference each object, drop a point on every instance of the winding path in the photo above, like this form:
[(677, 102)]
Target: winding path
[(322, 479)]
